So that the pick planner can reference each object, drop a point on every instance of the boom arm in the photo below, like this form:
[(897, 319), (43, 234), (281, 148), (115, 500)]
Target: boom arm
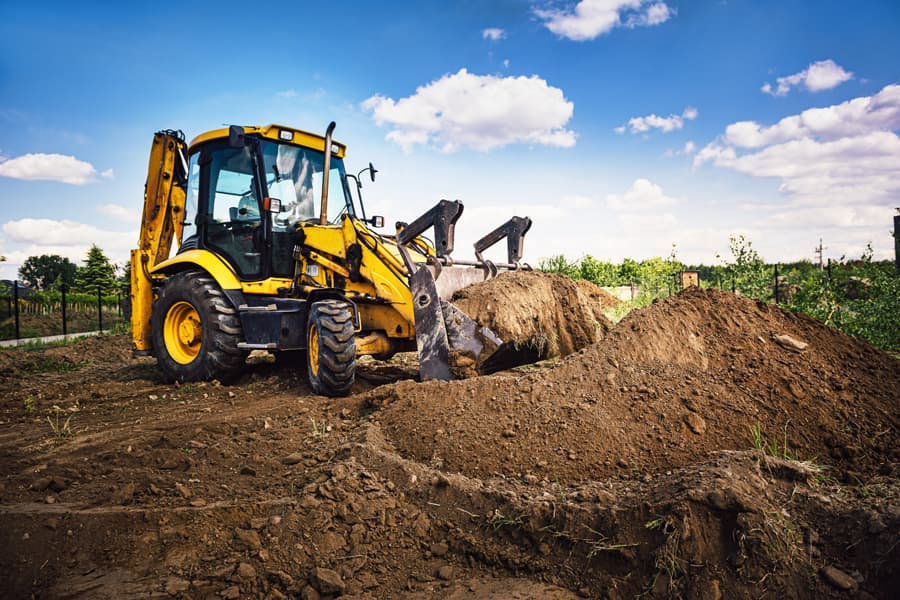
[(162, 221)]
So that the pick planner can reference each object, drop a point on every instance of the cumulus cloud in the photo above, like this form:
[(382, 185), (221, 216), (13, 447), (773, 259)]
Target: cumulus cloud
[(847, 154), (592, 18), (642, 195), (32, 237), (664, 124), (119, 212), (495, 34), (477, 111), (62, 233), (50, 167), (818, 76)]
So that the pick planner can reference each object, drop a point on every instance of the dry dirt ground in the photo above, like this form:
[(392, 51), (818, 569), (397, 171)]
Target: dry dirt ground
[(694, 451)]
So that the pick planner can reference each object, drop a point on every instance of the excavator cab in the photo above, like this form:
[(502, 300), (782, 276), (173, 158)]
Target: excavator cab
[(271, 254), (246, 197)]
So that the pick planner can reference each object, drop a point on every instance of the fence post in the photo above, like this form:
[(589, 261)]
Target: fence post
[(776, 283), (99, 308), (829, 270), (16, 302), (733, 284), (63, 290)]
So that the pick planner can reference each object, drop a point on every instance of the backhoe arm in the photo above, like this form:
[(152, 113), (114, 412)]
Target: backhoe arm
[(161, 223)]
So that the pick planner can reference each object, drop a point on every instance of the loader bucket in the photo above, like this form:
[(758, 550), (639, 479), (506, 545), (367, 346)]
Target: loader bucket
[(447, 339), (449, 342)]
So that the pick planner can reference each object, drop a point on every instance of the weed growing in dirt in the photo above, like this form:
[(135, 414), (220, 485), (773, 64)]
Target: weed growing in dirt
[(778, 539), (29, 404), (498, 520), (771, 447), (602, 544), (61, 429), (668, 560)]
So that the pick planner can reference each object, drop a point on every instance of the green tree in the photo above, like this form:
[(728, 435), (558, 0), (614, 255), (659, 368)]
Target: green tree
[(47, 271), (558, 264), (97, 272), (751, 275), (599, 272)]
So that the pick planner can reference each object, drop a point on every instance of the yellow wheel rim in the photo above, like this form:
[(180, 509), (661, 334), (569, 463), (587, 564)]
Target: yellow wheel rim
[(183, 333), (312, 349)]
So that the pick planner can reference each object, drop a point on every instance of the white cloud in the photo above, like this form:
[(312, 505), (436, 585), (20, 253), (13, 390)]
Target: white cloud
[(858, 116), (495, 34), (61, 233), (107, 174), (592, 18), (505, 63), (664, 124), (477, 111), (33, 237), (119, 212), (818, 76), (292, 93), (845, 154), (689, 147), (49, 167), (642, 195)]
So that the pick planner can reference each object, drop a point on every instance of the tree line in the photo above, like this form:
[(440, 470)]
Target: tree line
[(52, 272), (858, 296)]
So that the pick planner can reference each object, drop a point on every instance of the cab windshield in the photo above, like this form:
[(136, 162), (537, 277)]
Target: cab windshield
[(294, 176)]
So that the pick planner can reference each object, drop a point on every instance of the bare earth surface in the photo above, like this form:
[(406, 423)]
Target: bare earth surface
[(627, 468)]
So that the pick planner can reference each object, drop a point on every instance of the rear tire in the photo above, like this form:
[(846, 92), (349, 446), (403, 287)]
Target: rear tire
[(195, 330), (331, 348)]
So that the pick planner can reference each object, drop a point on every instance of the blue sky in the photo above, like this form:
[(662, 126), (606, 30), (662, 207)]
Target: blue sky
[(620, 126)]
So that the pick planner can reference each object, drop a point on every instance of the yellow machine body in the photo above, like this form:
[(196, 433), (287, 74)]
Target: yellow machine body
[(246, 278)]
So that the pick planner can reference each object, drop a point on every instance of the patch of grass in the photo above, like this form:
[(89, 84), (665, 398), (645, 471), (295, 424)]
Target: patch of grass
[(668, 557), (61, 429), (498, 520), (772, 447), (29, 404)]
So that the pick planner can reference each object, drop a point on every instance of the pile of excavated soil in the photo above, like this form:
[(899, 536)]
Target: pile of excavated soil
[(697, 373), (611, 475), (549, 313)]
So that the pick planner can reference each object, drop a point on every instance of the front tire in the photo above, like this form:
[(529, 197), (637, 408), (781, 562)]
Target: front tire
[(331, 348), (195, 331)]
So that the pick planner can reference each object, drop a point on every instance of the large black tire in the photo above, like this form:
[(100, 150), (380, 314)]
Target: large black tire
[(195, 330), (331, 348)]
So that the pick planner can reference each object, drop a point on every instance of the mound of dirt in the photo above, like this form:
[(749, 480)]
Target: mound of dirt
[(549, 313), (700, 372), (627, 470)]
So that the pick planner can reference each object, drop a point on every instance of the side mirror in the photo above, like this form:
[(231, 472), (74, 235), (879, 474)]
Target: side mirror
[(372, 171), (376, 221), (236, 136)]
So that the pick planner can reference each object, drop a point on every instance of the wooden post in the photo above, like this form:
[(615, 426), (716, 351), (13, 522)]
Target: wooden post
[(63, 290), (776, 283), (99, 308), (16, 302)]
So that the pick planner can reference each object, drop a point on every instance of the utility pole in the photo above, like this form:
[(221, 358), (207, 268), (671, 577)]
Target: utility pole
[(819, 250)]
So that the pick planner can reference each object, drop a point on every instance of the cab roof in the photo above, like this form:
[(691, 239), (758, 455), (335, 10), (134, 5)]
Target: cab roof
[(277, 133)]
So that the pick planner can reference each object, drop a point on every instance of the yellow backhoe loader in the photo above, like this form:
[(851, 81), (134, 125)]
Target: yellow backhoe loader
[(273, 250)]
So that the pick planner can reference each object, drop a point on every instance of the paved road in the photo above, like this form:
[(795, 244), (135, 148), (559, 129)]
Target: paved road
[(47, 338)]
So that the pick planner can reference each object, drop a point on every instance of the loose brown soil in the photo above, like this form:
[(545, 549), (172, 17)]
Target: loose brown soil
[(625, 469), (550, 313)]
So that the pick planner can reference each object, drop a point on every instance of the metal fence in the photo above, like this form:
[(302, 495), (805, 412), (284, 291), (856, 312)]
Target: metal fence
[(19, 304)]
